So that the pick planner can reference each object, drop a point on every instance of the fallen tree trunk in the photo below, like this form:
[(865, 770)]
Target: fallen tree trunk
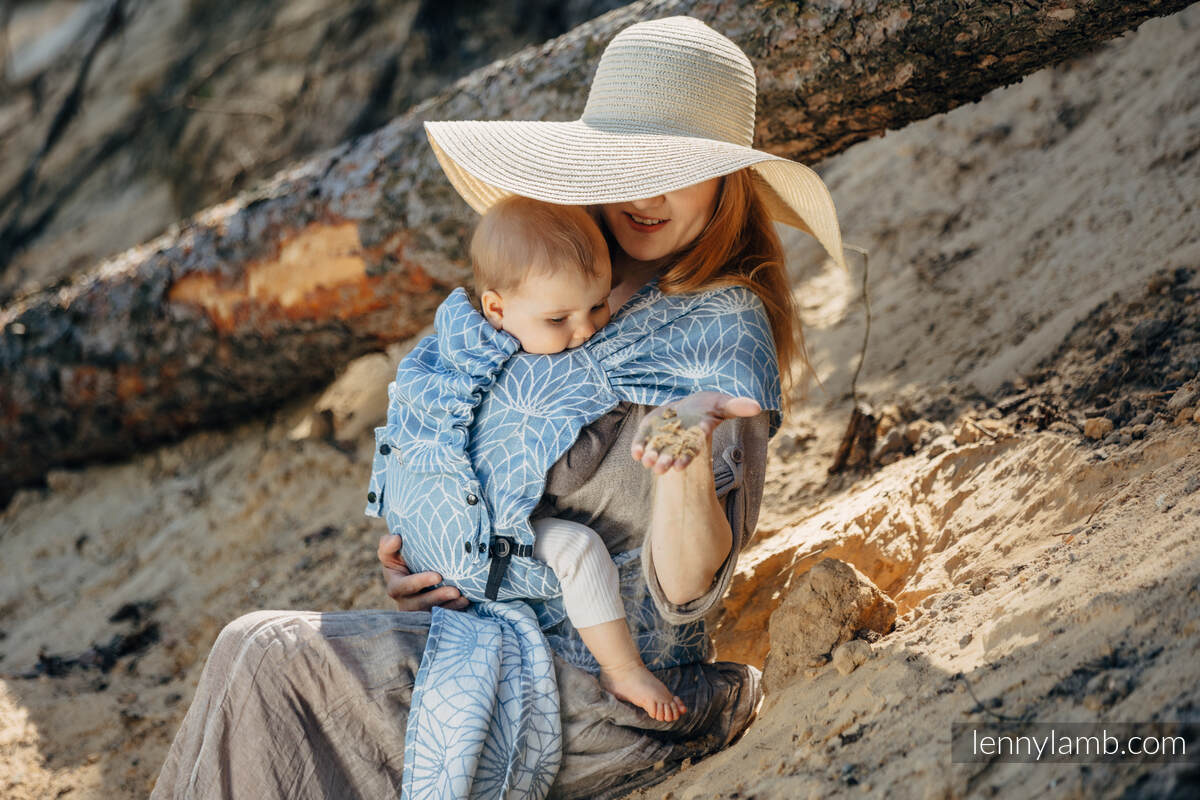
[(267, 295)]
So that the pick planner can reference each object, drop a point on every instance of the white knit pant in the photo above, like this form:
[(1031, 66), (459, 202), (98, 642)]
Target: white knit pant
[(585, 570)]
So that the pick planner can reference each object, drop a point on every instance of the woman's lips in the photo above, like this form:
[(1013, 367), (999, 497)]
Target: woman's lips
[(642, 227)]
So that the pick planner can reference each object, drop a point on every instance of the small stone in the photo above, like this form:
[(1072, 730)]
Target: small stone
[(893, 442), (1163, 503), (1065, 428), (1193, 483), (1184, 416), (965, 433), (1149, 329), (939, 445), (1196, 415), (916, 430), (966, 640), (847, 656), (1138, 431), (1097, 427), (1125, 439), (1184, 397), (1144, 418)]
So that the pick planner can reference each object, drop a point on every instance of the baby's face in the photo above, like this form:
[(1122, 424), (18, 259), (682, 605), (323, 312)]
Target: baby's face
[(549, 314)]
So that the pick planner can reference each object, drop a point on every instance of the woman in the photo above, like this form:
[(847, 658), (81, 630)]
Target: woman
[(298, 704)]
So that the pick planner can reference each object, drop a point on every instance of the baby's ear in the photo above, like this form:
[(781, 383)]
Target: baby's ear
[(492, 307)]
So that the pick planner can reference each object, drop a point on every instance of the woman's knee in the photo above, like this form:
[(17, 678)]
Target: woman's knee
[(257, 633)]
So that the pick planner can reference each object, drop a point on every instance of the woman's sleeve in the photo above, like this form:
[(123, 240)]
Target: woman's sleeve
[(739, 471)]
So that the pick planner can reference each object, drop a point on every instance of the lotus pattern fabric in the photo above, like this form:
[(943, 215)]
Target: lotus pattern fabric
[(473, 426)]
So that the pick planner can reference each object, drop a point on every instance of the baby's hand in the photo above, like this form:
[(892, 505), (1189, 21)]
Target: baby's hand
[(673, 434)]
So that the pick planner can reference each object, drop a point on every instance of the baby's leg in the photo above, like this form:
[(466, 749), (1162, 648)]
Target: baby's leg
[(592, 598)]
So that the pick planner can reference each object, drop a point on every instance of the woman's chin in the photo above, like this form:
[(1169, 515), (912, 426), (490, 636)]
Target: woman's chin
[(645, 251)]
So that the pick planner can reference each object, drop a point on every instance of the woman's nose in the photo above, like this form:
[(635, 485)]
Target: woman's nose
[(648, 202)]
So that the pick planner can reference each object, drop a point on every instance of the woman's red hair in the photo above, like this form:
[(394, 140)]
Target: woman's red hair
[(740, 247)]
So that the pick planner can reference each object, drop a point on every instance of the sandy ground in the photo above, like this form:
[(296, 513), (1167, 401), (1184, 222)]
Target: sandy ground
[(1035, 266)]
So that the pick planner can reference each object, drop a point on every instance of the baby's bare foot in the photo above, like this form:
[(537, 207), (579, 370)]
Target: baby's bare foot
[(637, 685)]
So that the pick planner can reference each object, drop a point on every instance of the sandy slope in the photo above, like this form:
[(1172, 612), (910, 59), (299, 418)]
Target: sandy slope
[(1019, 246)]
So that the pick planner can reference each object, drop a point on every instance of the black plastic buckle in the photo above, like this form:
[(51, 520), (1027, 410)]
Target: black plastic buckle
[(500, 550)]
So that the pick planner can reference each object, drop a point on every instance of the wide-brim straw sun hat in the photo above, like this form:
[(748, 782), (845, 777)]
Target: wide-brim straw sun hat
[(671, 105)]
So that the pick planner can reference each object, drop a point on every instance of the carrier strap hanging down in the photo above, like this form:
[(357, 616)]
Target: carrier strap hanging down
[(501, 549)]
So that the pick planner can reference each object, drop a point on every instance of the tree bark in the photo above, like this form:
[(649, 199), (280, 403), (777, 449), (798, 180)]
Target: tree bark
[(256, 299)]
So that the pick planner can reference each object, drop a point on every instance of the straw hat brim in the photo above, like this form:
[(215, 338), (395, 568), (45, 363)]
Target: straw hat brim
[(573, 163)]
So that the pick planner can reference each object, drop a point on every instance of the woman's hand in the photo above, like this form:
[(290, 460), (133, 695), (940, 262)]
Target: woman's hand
[(703, 410), (409, 590)]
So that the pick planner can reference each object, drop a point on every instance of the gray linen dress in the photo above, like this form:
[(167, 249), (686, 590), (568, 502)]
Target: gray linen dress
[(302, 704)]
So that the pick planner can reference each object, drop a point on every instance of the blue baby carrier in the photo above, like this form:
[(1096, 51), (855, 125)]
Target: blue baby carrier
[(473, 426)]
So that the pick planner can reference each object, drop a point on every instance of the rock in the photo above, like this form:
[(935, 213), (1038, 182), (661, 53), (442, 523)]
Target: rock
[(1144, 418), (889, 419), (1184, 397), (1163, 503), (1184, 416), (939, 445), (916, 430), (894, 442), (1119, 411), (966, 433), (826, 607), (1097, 427), (1065, 428), (1149, 330), (1196, 415), (848, 655), (966, 639), (969, 431), (1138, 431)]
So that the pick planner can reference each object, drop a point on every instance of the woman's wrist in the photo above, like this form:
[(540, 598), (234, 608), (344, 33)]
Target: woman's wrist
[(690, 537)]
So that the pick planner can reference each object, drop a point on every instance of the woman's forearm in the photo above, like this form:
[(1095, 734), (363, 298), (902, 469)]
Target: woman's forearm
[(690, 536)]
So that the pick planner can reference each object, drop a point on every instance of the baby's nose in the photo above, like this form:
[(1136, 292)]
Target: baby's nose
[(583, 333)]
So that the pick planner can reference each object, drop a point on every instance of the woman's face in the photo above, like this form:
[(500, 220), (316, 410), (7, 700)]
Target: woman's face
[(658, 226)]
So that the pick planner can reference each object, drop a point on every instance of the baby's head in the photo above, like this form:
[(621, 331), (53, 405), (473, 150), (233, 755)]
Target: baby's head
[(541, 273)]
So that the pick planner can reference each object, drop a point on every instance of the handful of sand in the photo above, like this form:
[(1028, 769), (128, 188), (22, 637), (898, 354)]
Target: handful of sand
[(669, 436)]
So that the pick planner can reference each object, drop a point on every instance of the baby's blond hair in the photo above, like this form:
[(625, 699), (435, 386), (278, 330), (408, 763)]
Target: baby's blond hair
[(519, 237)]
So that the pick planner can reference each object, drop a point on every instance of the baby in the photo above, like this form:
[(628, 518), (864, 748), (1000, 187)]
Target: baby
[(542, 274)]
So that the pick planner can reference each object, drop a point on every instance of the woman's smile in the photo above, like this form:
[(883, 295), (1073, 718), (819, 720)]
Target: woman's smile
[(655, 227), (645, 224)]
